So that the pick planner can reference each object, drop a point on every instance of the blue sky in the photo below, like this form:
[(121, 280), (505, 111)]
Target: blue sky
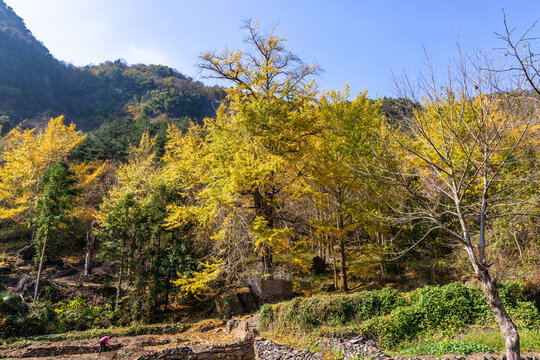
[(356, 42)]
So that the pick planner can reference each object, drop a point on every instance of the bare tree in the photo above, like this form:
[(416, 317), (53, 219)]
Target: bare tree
[(461, 160), (521, 49)]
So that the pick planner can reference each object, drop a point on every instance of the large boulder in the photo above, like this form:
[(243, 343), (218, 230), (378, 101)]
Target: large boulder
[(25, 254), (27, 285), (235, 302)]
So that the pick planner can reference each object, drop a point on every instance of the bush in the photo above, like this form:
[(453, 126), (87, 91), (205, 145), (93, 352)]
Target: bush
[(391, 319), (402, 324), (329, 310), (78, 315), (17, 318), (448, 347), (447, 308)]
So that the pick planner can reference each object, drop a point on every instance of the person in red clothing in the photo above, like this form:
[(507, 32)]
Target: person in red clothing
[(103, 342)]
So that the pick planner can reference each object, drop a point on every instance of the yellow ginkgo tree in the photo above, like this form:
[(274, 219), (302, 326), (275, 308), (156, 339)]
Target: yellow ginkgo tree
[(242, 167), (26, 156), (337, 190)]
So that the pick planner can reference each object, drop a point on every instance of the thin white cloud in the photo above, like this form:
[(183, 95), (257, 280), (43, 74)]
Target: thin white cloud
[(135, 54)]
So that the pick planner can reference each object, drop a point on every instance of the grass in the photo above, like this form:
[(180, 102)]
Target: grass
[(133, 330), (431, 320), (529, 338), (472, 341)]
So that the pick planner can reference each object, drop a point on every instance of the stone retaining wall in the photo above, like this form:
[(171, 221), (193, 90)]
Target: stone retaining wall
[(236, 351), (269, 350), (357, 347)]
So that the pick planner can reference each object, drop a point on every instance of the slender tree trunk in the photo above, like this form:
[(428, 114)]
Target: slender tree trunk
[(507, 326), (380, 242), (41, 261), (90, 250), (266, 211), (119, 285), (334, 262), (342, 257), (342, 267)]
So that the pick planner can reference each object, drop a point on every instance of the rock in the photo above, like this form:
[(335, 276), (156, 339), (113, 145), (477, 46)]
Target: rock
[(328, 287), (9, 280), (235, 302), (357, 347), (27, 252), (318, 265), (269, 350), (56, 263), (243, 329), (247, 299), (5, 268), (27, 285)]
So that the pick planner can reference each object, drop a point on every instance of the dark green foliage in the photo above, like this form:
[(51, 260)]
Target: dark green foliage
[(447, 307), (20, 319), (398, 109), (77, 314), (153, 253), (307, 313), (34, 85), (391, 318), (57, 198), (114, 139)]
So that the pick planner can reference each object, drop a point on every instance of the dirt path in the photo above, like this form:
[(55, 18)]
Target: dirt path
[(129, 347)]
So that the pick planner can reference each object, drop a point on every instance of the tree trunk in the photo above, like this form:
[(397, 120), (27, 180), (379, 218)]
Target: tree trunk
[(343, 269), (507, 326), (90, 250), (266, 211), (119, 285), (342, 265), (41, 261), (333, 254)]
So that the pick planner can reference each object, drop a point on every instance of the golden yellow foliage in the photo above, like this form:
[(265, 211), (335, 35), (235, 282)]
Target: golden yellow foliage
[(198, 283), (26, 156), (138, 177)]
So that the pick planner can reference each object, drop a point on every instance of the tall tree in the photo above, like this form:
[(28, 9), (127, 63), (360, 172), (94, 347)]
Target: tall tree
[(52, 208), (241, 164), (26, 156), (460, 159), (131, 229), (347, 137)]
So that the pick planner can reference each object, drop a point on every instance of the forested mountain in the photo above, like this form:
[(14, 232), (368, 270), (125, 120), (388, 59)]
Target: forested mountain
[(35, 86)]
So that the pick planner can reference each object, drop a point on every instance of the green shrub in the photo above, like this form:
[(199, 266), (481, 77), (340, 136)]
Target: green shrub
[(392, 319), (17, 318), (329, 310), (79, 315), (448, 308), (448, 347), (402, 324), (526, 315), (266, 316)]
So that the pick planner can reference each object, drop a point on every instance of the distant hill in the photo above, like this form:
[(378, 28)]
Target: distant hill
[(35, 86)]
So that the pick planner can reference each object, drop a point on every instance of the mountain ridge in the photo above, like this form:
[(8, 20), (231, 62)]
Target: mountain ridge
[(35, 86)]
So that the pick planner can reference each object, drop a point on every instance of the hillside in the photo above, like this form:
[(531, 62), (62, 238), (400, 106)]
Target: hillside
[(35, 86)]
